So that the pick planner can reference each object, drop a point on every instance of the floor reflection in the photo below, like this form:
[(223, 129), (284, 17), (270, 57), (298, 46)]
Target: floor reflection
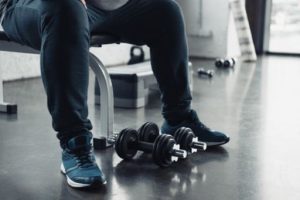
[(256, 104)]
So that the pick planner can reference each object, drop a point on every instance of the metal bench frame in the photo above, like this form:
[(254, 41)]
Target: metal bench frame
[(102, 76)]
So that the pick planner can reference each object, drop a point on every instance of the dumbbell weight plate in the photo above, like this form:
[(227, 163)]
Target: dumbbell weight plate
[(219, 63), (125, 143), (184, 137), (228, 63), (163, 146), (148, 132)]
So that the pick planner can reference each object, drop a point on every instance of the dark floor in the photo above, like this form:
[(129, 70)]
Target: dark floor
[(257, 104)]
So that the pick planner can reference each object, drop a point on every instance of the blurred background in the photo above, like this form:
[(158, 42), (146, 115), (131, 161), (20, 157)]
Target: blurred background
[(284, 26), (255, 101)]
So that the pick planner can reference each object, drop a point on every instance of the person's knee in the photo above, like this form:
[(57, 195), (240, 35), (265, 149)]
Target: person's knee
[(64, 14), (169, 19), (169, 8), (68, 9), (168, 15)]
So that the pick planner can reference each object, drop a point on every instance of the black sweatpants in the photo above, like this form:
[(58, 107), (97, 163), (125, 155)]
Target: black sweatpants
[(61, 30)]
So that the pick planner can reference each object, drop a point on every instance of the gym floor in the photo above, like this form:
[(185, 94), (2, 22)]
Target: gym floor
[(257, 104)]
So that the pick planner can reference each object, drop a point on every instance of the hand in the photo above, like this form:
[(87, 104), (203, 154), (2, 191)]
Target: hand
[(83, 1)]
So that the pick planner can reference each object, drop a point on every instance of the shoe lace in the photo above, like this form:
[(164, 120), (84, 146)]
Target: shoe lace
[(195, 120), (84, 159), (203, 126)]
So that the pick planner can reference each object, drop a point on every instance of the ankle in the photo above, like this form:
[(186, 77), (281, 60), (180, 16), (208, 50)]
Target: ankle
[(174, 122), (80, 143), (66, 137)]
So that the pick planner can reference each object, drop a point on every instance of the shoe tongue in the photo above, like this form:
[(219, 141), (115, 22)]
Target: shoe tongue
[(80, 143)]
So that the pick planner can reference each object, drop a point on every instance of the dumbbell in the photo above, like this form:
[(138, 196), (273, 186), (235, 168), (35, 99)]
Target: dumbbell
[(183, 136), (219, 62), (164, 149), (148, 132), (204, 72), (225, 63), (229, 63)]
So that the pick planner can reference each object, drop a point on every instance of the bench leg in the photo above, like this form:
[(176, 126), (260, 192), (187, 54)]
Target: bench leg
[(7, 108), (107, 102)]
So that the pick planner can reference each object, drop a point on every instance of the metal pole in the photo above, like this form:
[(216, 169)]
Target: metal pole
[(107, 98)]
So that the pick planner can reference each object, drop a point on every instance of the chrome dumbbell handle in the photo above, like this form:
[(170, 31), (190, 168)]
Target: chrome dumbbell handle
[(177, 153), (196, 144), (208, 73)]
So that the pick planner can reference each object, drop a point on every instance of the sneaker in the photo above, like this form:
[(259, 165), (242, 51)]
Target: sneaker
[(79, 165), (204, 134)]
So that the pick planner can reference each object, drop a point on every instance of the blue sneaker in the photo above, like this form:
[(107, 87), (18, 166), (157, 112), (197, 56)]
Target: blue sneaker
[(79, 165), (204, 134)]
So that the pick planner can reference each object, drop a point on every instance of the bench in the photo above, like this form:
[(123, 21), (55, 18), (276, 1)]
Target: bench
[(102, 76)]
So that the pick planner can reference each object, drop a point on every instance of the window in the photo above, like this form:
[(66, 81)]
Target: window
[(284, 27)]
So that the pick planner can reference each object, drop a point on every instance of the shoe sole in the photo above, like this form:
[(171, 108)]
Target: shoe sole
[(73, 183), (211, 144)]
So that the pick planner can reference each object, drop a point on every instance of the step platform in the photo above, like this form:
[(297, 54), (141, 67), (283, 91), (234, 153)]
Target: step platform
[(132, 84), (5, 107)]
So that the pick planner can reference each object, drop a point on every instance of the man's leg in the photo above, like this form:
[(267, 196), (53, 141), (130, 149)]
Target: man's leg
[(160, 25), (60, 30), (157, 23)]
